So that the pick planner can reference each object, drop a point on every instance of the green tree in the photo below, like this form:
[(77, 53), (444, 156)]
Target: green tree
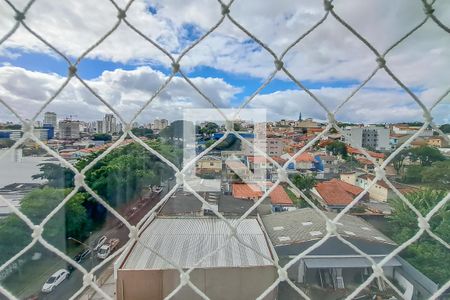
[(426, 254), (39, 203), (445, 128), (413, 174), (438, 175), (210, 128), (338, 148), (102, 137), (304, 182), (208, 143), (175, 130), (426, 155), (57, 175), (399, 160), (143, 132)]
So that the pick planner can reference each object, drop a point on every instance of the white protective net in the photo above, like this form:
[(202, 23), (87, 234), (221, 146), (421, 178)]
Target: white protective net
[(227, 13)]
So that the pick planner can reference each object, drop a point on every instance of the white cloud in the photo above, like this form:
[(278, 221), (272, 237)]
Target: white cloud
[(330, 53), (125, 91)]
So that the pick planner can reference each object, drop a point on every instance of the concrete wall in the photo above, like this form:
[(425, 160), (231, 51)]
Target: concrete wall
[(216, 283)]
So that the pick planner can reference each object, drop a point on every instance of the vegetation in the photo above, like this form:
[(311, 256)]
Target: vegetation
[(304, 183), (175, 131), (426, 155), (72, 220), (399, 160), (102, 137), (209, 128), (338, 148), (143, 132), (436, 175), (117, 178), (445, 128), (298, 201), (426, 254)]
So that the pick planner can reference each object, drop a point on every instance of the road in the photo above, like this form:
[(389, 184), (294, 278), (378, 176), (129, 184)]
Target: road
[(133, 212)]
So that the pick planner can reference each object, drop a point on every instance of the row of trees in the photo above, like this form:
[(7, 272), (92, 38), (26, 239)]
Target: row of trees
[(117, 178)]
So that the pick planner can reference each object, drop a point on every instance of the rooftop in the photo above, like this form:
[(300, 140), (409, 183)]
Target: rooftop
[(305, 226), (185, 241), (337, 192), (251, 191)]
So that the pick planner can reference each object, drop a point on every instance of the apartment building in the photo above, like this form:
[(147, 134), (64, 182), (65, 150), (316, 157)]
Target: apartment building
[(369, 137)]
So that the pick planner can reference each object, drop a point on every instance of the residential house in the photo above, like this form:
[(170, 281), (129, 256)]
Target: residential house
[(380, 191), (279, 199), (437, 141), (303, 163), (378, 157), (335, 195), (334, 265), (209, 164)]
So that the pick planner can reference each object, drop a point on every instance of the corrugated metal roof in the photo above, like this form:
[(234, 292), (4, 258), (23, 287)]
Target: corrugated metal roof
[(299, 224), (347, 262), (185, 241)]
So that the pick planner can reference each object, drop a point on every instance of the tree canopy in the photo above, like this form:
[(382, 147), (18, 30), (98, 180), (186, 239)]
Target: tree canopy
[(445, 128), (426, 155), (338, 148), (426, 254), (102, 137)]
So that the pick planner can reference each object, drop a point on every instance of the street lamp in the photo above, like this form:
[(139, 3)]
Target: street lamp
[(85, 245)]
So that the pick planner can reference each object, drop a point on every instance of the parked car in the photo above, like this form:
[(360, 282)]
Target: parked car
[(101, 240), (107, 248), (82, 255), (55, 280)]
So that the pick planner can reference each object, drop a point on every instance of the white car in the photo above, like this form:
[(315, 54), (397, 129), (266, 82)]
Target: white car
[(100, 242), (54, 280)]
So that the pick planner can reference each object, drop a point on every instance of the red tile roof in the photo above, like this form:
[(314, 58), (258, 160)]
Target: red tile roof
[(364, 161), (337, 192), (279, 197), (246, 191), (352, 150), (304, 157), (251, 191)]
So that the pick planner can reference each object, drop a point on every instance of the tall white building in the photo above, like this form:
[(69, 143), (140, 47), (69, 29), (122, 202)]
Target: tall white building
[(99, 126), (69, 130), (50, 118), (370, 137), (160, 124), (109, 124)]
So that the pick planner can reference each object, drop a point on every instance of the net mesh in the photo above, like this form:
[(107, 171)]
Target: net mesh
[(176, 62)]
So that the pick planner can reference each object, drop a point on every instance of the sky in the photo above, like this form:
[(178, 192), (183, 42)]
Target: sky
[(227, 66)]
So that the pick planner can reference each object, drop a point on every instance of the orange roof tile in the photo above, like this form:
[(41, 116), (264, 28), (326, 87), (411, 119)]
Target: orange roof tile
[(337, 192), (246, 191), (250, 191), (364, 161), (352, 150), (304, 157), (279, 196)]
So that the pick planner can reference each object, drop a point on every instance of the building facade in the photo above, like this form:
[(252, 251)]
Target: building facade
[(369, 137), (69, 130)]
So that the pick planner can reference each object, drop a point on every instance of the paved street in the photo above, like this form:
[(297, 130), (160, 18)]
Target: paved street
[(133, 212)]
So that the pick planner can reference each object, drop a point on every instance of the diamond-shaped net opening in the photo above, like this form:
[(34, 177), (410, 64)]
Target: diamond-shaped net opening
[(99, 187)]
